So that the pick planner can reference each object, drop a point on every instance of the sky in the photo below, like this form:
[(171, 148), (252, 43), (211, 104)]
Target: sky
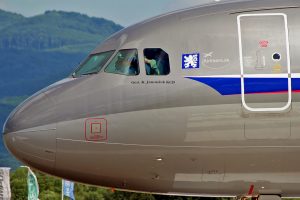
[(120, 11)]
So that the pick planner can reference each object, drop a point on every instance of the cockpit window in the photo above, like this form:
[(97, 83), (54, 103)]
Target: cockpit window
[(93, 64), (125, 63), (156, 62)]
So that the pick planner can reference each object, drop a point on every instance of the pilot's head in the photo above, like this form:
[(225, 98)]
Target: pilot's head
[(121, 63)]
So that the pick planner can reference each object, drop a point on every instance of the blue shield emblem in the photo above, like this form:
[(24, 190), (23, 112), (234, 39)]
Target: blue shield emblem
[(191, 61)]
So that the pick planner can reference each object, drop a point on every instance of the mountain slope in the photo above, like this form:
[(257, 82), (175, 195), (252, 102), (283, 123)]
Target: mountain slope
[(8, 18), (57, 30), (23, 72), (39, 50)]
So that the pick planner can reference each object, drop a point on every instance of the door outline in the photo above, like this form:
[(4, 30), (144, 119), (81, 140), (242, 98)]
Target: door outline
[(288, 75)]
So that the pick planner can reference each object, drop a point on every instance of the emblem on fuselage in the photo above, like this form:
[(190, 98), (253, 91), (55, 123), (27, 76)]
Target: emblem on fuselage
[(211, 60), (191, 61), (208, 55)]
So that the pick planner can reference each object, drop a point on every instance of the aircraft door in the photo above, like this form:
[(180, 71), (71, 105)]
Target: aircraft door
[(266, 84)]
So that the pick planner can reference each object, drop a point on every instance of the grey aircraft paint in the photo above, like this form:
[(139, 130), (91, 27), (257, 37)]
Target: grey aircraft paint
[(191, 132)]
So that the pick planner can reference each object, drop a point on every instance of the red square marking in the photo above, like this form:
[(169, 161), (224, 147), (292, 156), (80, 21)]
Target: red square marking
[(95, 129)]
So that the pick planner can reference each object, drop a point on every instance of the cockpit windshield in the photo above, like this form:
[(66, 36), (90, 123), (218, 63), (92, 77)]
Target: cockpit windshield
[(93, 64), (124, 63)]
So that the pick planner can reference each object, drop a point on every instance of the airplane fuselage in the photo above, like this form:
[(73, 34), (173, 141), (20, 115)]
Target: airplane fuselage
[(224, 119)]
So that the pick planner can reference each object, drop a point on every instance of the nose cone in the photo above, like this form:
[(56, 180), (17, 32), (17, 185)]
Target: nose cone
[(30, 132), (38, 110)]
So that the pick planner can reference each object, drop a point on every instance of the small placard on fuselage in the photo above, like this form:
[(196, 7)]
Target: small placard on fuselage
[(95, 129)]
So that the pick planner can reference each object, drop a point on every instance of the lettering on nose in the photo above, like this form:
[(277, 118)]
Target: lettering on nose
[(95, 129)]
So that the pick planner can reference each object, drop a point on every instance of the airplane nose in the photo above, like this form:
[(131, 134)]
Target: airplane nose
[(30, 132)]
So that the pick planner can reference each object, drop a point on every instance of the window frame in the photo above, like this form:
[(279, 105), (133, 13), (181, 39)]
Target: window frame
[(151, 75), (87, 58), (113, 57)]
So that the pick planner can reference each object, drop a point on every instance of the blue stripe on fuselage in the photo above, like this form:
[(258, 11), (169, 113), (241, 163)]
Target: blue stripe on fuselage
[(232, 86)]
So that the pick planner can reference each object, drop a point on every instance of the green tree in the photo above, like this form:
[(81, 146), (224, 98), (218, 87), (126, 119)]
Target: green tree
[(19, 184)]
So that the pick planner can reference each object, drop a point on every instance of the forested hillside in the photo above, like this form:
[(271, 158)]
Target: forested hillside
[(23, 72), (54, 30), (8, 18), (40, 50)]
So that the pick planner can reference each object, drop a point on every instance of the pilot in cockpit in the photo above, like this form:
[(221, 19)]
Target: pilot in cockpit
[(128, 66), (151, 67)]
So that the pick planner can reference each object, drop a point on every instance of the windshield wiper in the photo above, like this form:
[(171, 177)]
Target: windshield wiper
[(90, 73)]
